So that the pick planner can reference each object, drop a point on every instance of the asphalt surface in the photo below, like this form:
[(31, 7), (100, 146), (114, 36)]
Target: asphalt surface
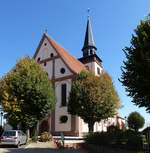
[(40, 148)]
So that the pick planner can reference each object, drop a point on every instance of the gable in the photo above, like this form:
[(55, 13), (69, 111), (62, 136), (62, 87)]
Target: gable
[(73, 64), (44, 50)]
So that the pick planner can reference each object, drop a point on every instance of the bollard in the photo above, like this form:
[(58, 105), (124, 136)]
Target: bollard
[(62, 139)]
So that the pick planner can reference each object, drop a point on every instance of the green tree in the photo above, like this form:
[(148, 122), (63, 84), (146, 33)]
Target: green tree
[(26, 93), (93, 98), (135, 121), (136, 68)]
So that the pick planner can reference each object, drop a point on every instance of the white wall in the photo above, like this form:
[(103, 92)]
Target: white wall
[(45, 51), (60, 111), (83, 127), (58, 65), (97, 66), (93, 67), (48, 68), (101, 126)]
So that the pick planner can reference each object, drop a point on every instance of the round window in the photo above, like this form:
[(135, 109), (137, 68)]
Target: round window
[(63, 119), (62, 70)]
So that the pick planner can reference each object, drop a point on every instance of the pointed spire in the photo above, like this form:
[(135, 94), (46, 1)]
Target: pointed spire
[(89, 47)]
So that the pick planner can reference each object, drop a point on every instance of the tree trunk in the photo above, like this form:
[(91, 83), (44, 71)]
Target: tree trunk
[(91, 127), (34, 134), (28, 134), (37, 127)]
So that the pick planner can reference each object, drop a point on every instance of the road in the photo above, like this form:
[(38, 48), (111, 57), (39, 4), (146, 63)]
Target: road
[(40, 150), (40, 147)]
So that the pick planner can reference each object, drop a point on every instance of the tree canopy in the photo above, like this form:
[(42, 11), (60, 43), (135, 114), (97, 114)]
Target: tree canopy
[(135, 121), (26, 93), (136, 68), (93, 98)]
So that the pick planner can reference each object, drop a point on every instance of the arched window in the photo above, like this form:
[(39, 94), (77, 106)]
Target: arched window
[(63, 95)]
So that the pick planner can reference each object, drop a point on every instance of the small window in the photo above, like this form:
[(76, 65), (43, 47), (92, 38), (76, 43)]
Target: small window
[(87, 67), (45, 63), (98, 70), (51, 55), (38, 60), (62, 70), (63, 94), (45, 44), (91, 52)]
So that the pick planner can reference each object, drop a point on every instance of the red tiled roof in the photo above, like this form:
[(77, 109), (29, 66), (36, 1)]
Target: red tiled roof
[(72, 63)]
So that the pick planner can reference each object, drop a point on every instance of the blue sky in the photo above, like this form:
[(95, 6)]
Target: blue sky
[(23, 22)]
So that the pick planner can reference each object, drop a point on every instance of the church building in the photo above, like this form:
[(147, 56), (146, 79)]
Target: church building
[(61, 68)]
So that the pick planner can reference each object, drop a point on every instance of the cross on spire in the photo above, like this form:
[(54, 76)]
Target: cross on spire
[(88, 12), (46, 30)]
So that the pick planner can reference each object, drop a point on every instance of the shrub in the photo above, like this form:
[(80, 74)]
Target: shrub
[(118, 139), (34, 138), (112, 128), (44, 126), (135, 142), (98, 138), (45, 136), (135, 121)]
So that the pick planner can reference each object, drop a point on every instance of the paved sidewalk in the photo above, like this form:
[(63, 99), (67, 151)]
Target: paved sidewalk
[(50, 147)]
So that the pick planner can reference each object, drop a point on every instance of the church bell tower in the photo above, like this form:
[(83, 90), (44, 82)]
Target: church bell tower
[(90, 59)]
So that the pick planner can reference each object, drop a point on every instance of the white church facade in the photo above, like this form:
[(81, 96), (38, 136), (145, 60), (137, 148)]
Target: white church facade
[(61, 68)]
